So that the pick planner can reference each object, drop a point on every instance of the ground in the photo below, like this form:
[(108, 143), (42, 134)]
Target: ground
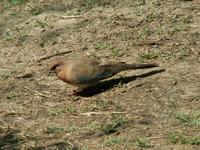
[(153, 109)]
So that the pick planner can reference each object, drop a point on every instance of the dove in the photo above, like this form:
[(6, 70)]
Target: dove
[(84, 72)]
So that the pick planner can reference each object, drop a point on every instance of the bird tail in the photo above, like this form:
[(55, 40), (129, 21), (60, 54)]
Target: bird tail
[(118, 67), (112, 69), (139, 66)]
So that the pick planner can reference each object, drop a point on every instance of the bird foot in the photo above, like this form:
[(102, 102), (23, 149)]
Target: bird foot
[(75, 92)]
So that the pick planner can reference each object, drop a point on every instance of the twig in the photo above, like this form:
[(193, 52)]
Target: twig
[(156, 42), (101, 113), (70, 17), (5, 113), (150, 43), (53, 55), (38, 93), (26, 75), (194, 51)]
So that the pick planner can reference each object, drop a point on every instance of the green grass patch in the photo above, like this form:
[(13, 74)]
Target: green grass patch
[(112, 140), (71, 109), (176, 137), (112, 127), (115, 51), (143, 143), (145, 32), (93, 126), (192, 119), (186, 19), (17, 2), (73, 129), (54, 130), (148, 55), (101, 46), (88, 4)]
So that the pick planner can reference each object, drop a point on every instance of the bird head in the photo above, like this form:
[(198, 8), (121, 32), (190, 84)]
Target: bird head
[(56, 67)]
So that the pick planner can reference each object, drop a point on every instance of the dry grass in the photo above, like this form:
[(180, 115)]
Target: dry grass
[(160, 107)]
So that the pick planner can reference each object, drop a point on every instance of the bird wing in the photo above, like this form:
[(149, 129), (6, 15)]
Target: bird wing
[(93, 75), (86, 71)]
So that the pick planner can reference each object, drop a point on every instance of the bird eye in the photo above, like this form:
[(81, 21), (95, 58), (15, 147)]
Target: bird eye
[(58, 69)]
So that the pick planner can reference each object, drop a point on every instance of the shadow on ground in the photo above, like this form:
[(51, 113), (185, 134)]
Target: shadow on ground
[(109, 84), (10, 139)]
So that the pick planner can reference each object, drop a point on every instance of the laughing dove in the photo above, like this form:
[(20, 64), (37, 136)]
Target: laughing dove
[(85, 72)]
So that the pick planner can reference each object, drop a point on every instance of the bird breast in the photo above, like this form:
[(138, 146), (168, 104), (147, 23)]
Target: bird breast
[(62, 75)]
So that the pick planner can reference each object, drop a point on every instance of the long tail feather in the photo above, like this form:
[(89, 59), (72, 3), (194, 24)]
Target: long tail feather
[(118, 67), (112, 69), (140, 66)]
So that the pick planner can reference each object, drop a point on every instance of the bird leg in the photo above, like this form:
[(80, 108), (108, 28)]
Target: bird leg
[(75, 91)]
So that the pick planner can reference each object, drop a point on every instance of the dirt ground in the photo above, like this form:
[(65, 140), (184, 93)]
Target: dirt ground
[(157, 109)]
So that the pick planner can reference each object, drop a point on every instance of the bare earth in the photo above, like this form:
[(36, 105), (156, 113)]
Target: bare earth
[(156, 108)]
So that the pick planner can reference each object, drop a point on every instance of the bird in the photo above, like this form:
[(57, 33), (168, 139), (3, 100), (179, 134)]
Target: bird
[(84, 72)]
